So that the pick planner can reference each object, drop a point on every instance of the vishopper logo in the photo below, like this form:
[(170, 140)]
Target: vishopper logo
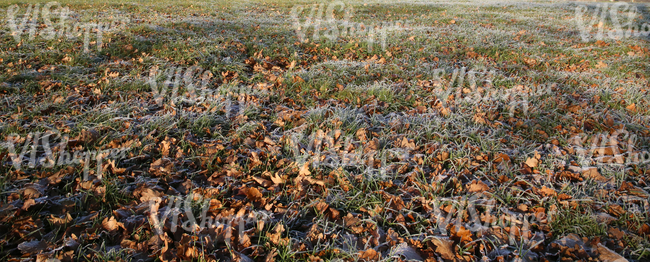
[(369, 156), (332, 28), (478, 213), (194, 80), (63, 24), (51, 152), (334, 151), (177, 84), (475, 86), (631, 28), (615, 149), (194, 214)]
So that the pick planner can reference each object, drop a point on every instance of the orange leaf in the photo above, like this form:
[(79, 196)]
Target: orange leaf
[(253, 194)]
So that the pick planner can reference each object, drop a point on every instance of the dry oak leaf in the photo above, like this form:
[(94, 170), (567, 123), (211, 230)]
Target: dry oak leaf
[(321, 207), (532, 162), (477, 186), (616, 210), (407, 144), (111, 224), (28, 203), (60, 221), (262, 181), (253, 194), (33, 246), (461, 233), (593, 173), (500, 157), (606, 254), (304, 174), (444, 247), (634, 190), (277, 179), (147, 194), (604, 218), (546, 191), (407, 252), (350, 220), (369, 255), (164, 148), (304, 170), (361, 134), (277, 235)]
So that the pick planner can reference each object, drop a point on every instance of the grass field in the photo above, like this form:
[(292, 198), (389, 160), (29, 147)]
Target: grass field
[(298, 130)]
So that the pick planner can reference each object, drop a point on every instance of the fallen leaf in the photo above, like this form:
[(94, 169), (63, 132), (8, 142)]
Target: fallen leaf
[(304, 170), (262, 181), (444, 247), (369, 255), (548, 191), (406, 252), (631, 107), (606, 254), (532, 162), (604, 218), (500, 157), (110, 224), (253, 194), (477, 186), (461, 234), (593, 173), (33, 246)]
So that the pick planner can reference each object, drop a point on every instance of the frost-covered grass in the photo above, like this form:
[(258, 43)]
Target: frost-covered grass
[(354, 147)]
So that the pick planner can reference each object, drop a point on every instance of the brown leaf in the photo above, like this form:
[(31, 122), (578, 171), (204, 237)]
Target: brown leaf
[(606, 254), (461, 234), (369, 255), (164, 148), (33, 246), (593, 173), (500, 157), (616, 233), (321, 207), (262, 181), (407, 252), (110, 224), (406, 143), (350, 220), (253, 194), (277, 179), (61, 221), (634, 190), (548, 191), (276, 236), (270, 256), (444, 247), (361, 134), (28, 203), (604, 218), (532, 162), (304, 170), (477, 186)]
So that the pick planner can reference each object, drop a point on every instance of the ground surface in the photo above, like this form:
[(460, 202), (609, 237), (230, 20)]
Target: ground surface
[(310, 149)]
